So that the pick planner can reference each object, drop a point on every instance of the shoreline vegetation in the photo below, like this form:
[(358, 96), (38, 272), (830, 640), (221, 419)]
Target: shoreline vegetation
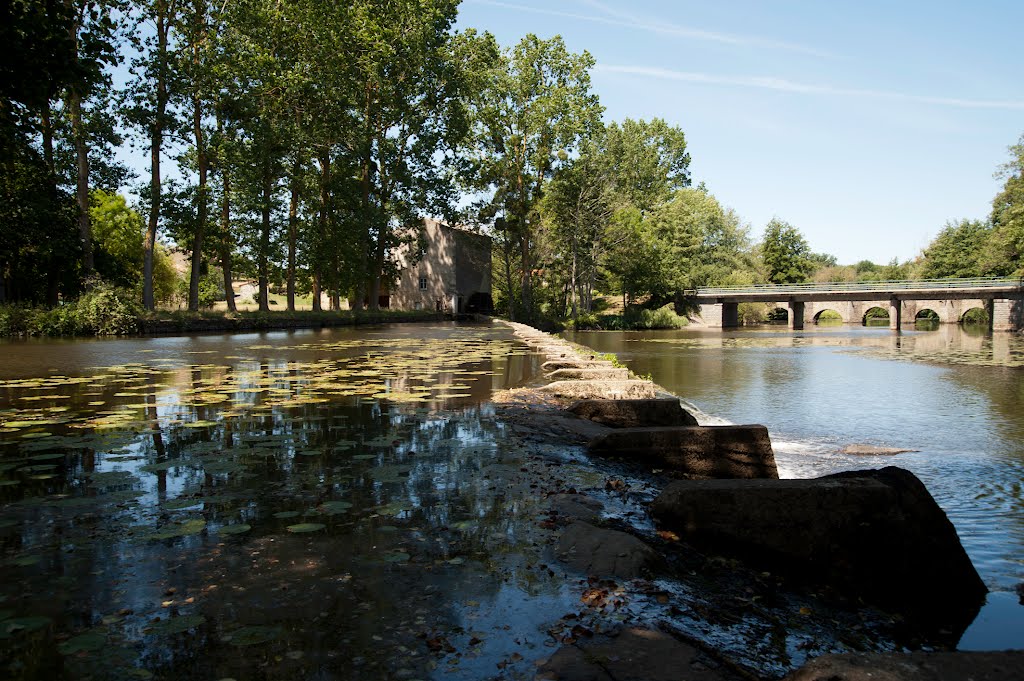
[(108, 311)]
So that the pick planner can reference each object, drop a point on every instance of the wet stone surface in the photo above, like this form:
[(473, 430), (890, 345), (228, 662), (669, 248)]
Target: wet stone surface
[(342, 505)]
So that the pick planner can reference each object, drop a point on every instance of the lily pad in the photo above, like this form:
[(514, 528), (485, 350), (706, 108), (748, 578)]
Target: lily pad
[(88, 642), (254, 635), (334, 507), (306, 527), (240, 528), (287, 514), (177, 625), (396, 557), (20, 625)]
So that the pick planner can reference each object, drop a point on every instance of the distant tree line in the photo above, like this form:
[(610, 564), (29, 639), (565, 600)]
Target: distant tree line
[(301, 142)]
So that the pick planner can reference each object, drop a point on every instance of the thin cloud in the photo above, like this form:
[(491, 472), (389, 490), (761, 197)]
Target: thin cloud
[(783, 85), (620, 19)]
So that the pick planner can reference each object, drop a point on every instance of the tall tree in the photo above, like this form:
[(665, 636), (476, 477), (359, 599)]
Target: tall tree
[(785, 253), (957, 250), (149, 109), (1005, 251), (534, 113)]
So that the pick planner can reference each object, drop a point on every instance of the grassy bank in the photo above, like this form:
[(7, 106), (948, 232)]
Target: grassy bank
[(107, 311)]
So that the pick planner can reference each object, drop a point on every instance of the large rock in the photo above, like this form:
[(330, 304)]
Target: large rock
[(590, 374), (596, 390), (604, 553), (918, 666), (634, 413), (875, 534), (633, 655), (697, 452)]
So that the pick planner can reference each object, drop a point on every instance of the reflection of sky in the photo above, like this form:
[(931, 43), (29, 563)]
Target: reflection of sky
[(957, 400)]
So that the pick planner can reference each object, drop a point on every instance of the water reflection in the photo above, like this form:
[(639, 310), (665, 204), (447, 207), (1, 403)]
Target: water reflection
[(953, 394), (293, 505)]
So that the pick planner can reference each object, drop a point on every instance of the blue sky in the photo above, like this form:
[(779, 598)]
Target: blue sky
[(866, 124)]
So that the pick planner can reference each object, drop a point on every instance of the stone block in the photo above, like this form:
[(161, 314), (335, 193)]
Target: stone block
[(604, 553), (596, 390), (1005, 665), (634, 413), (696, 452), (873, 534), (590, 374)]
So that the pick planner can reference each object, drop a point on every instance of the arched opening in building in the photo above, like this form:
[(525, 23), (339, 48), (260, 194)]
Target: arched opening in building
[(876, 316), (828, 318)]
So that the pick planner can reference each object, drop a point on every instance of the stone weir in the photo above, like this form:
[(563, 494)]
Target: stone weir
[(871, 537)]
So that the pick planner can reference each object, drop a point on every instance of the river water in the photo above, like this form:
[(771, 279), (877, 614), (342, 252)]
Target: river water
[(954, 395), (350, 504)]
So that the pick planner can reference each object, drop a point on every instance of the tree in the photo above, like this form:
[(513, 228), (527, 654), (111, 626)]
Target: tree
[(785, 253), (532, 116), (957, 250), (1005, 252), (648, 161)]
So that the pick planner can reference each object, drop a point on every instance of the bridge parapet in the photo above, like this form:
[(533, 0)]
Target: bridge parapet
[(914, 285)]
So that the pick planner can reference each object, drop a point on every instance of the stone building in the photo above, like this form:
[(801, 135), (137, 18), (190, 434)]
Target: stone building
[(452, 273)]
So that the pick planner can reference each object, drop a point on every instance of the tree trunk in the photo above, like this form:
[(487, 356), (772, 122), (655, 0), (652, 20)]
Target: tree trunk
[(378, 269), (317, 307), (225, 241), (156, 142), (293, 236), (203, 163), (263, 264), (47, 131), (82, 182)]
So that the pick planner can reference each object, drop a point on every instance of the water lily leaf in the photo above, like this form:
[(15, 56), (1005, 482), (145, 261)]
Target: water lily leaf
[(21, 625), (287, 514), (199, 424), (396, 557), (176, 625), (254, 635), (189, 527), (88, 642), (334, 507), (240, 528), (305, 527)]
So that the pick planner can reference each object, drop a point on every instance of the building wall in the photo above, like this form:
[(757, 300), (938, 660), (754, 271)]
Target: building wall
[(437, 265)]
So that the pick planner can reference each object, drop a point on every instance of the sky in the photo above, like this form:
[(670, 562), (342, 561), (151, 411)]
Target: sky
[(867, 125)]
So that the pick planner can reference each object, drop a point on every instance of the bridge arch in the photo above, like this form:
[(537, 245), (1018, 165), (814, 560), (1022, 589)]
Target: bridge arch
[(778, 314), (828, 316), (974, 316), (875, 312)]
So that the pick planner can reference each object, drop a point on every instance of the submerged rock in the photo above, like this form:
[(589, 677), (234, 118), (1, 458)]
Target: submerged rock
[(596, 390), (634, 654), (872, 450), (604, 553), (977, 666), (634, 413), (874, 534), (697, 452)]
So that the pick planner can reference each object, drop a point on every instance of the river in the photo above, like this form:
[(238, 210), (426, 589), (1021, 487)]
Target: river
[(954, 395), (348, 503)]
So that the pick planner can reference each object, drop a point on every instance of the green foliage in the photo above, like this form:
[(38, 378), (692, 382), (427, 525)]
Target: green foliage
[(752, 313), (786, 254), (1004, 253), (957, 250), (103, 310), (976, 316), (633, 319), (829, 315)]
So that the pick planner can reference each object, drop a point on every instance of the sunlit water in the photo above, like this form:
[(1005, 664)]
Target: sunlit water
[(954, 395), (345, 504)]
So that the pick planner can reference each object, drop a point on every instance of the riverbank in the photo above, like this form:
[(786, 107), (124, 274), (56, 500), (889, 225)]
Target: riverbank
[(109, 317)]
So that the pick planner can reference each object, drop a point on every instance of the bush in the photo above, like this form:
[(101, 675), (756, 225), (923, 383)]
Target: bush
[(634, 319), (103, 310)]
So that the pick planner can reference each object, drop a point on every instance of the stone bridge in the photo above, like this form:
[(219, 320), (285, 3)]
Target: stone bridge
[(949, 299)]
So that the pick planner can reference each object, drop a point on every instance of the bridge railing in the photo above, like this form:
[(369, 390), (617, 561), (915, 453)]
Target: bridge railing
[(891, 285)]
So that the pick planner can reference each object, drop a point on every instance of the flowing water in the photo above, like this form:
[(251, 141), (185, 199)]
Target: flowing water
[(953, 395), (349, 504)]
